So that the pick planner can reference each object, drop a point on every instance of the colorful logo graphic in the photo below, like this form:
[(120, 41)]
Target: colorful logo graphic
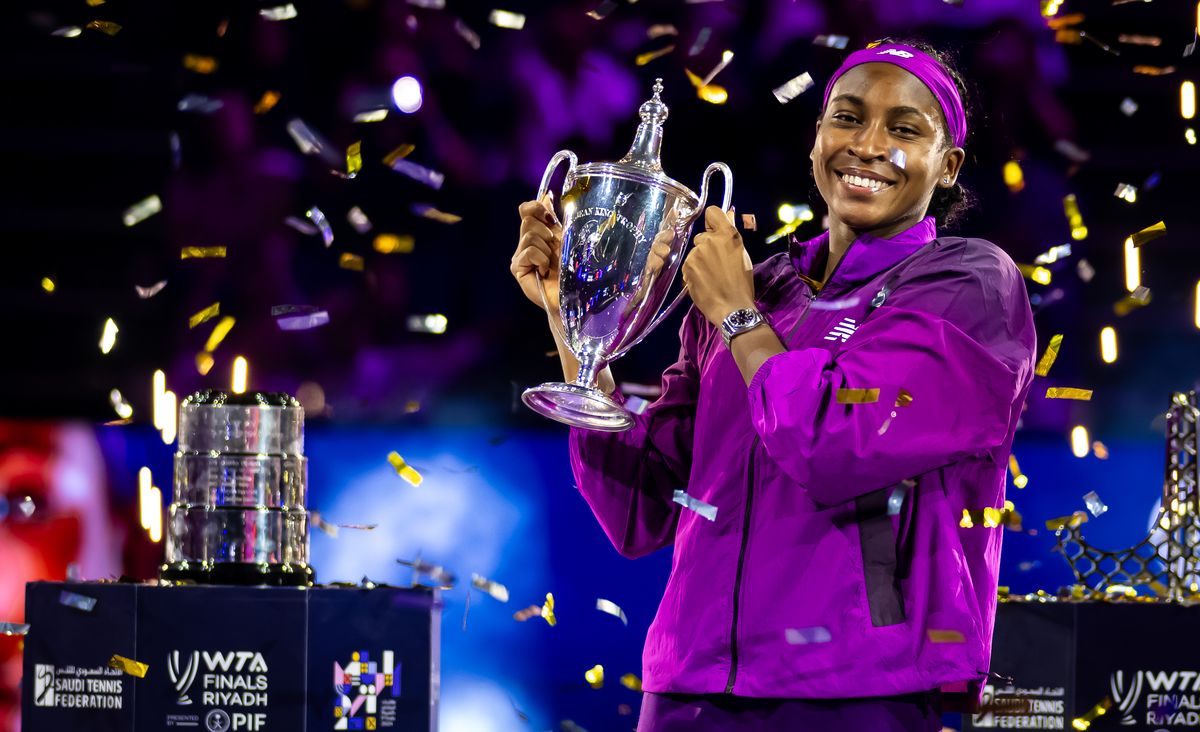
[(365, 691)]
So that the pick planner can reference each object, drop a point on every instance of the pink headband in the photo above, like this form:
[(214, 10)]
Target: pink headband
[(924, 67)]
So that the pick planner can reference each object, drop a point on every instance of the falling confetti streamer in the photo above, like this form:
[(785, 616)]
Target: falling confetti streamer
[(142, 210), (806, 636), (145, 293), (129, 666), (48, 285), (1128, 107), (658, 31), (707, 510), (354, 159), (202, 253), (507, 19), (419, 173), (1140, 297), (279, 12), (533, 611), (793, 88), (199, 103), (393, 244), (429, 212), (610, 607), (601, 11), (309, 142), (351, 262), (701, 41), (749, 223), (108, 338), (1049, 356), (315, 215), (1094, 504), (595, 676), (205, 315), (14, 628), (105, 26), (435, 324), (857, 396), (1020, 480), (371, 115), (199, 64), (1126, 192), (1150, 233), (399, 153), (358, 220), (1073, 521), (898, 157), (631, 682), (644, 58), (1085, 721), (547, 611), (838, 42), (119, 405), (219, 331), (491, 587), (1068, 392), (77, 601), (403, 469), (1053, 254), (1085, 270)]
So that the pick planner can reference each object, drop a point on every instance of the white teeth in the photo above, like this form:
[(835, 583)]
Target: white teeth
[(861, 182)]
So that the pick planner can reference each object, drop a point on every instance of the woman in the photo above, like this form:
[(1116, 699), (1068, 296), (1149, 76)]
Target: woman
[(840, 406)]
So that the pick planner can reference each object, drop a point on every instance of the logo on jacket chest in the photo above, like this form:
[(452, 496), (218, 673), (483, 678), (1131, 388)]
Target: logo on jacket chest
[(843, 330)]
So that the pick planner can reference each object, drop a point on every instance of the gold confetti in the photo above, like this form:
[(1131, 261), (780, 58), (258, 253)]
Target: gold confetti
[(204, 362), (944, 636), (857, 396), (403, 469), (1014, 178), (1150, 233), (205, 315), (595, 676), (95, 3), (219, 331), (141, 210), (631, 682), (1099, 450), (351, 261), (708, 92), (354, 159), (199, 64), (371, 115), (903, 398), (645, 58), (1051, 353), (529, 612), (1020, 480), (1085, 721), (1153, 70), (129, 666), (48, 284), (399, 153), (657, 31), (548, 610), (1068, 392), (1034, 273), (105, 26), (1067, 522), (394, 244), (507, 19), (1140, 297), (202, 253), (108, 338), (1074, 218), (266, 102), (429, 212)]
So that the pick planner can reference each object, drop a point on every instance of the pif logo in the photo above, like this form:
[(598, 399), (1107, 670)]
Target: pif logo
[(43, 685)]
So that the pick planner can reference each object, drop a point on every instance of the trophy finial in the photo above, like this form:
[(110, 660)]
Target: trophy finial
[(644, 152)]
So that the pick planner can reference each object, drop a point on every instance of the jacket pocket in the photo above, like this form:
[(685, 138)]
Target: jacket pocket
[(878, 542)]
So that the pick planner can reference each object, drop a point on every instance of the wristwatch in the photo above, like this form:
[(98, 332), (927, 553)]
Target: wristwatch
[(738, 322)]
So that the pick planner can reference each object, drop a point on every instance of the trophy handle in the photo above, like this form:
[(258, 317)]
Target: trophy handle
[(543, 189), (725, 201)]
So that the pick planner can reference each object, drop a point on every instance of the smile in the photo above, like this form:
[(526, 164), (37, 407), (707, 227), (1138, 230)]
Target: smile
[(865, 184)]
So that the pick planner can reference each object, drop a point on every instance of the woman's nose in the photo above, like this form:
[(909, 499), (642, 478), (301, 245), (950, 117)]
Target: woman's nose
[(870, 143)]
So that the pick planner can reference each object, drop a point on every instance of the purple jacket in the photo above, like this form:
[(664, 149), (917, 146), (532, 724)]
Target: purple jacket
[(807, 585)]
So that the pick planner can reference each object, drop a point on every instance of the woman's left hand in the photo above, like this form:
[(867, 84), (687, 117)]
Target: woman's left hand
[(718, 273)]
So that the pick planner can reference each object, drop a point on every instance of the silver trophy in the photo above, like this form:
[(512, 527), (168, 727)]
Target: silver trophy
[(610, 287), (238, 515)]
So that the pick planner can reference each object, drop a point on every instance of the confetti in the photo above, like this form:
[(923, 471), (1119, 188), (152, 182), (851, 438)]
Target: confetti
[(199, 64), (1071, 151), (205, 315), (309, 142), (1020, 480), (1140, 297), (145, 293), (1085, 721), (279, 12), (1014, 177), (726, 57), (533, 611), (794, 88), (48, 285), (119, 405), (897, 157), (403, 469), (419, 173), (1067, 522), (429, 212), (645, 58), (843, 304), (547, 611), (14, 628), (1068, 392), (631, 682), (607, 606), (108, 338), (897, 496), (315, 215), (371, 115), (601, 11), (1099, 450), (507, 19), (199, 103), (1126, 192), (219, 331), (700, 42), (838, 42), (660, 30), (353, 159), (1094, 504), (857, 396), (142, 210), (1128, 107), (1071, 208), (1135, 40), (202, 253), (436, 573), (399, 153), (1154, 70), (1053, 254), (1150, 233), (301, 226), (105, 26), (635, 404), (325, 527), (429, 4), (26, 506), (1050, 354), (1085, 270), (624, 710), (68, 31), (204, 362), (903, 398), (944, 636), (298, 317), (707, 510), (749, 223), (266, 102), (805, 636), (79, 602), (393, 244), (358, 220), (595, 676), (129, 666), (435, 324), (491, 587)]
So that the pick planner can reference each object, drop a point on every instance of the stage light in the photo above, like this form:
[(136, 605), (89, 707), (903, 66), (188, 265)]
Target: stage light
[(170, 409), (1187, 99), (1133, 266), (1197, 298), (1079, 441), (108, 338), (159, 382), (144, 487), (406, 93), (787, 213), (1108, 344), (155, 515), (240, 368), (1190, 135)]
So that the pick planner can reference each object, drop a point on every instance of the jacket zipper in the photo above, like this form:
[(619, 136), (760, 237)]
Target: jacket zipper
[(737, 578)]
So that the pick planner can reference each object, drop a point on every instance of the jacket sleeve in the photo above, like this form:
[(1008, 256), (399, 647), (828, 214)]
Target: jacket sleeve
[(629, 478), (961, 344)]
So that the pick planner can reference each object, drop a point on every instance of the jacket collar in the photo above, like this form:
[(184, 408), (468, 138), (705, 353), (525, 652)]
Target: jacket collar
[(867, 256)]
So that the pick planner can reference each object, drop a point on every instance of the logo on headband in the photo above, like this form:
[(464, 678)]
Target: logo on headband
[(895, 52)]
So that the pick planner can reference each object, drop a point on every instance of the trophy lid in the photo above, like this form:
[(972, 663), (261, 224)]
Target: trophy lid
[(644, 153)]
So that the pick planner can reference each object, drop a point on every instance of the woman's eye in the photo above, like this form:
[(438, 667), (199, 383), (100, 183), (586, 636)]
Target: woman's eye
[(843, 117), (906, 130)]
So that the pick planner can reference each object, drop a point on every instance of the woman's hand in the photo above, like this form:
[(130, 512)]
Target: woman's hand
[(718, 273), (539, 251)]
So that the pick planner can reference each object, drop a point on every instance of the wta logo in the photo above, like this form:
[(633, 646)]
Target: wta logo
[(1170, 697), (182, 677)]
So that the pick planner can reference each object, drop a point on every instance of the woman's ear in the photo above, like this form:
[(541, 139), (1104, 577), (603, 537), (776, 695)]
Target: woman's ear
[(952, 162), (812, 154)]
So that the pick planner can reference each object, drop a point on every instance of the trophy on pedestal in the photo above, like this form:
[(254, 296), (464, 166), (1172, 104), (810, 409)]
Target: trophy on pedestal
[(610, 284)]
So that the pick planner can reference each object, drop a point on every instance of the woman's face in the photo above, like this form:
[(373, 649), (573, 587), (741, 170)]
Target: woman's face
[(873, 109)]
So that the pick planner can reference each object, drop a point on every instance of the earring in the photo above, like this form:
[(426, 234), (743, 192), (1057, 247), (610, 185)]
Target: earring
[(946, 180)]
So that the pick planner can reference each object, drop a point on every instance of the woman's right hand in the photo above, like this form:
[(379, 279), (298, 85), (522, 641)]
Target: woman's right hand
[(539, 251)]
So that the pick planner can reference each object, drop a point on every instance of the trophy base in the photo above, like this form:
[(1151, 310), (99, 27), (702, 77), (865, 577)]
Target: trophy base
[(578, 406), (239, 573)]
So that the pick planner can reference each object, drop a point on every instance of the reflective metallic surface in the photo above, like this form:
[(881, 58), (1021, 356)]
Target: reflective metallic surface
[(611, 286), (239, 492)]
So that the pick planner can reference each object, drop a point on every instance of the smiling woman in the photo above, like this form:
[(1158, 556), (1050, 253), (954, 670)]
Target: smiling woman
[(832, 414)]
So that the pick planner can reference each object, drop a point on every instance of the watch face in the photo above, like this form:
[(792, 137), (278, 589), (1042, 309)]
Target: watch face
[(741, 318)]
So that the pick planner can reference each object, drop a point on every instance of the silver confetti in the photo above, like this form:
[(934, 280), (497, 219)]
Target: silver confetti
[(804, 636), (77, 601), (358, 220), (831, 41), (371, 115), (26, 506), (434, 323), (142, 210), (14, 628), (701, 41), (199, 103), (1085, 270), (429, 4), (636, 404), (491, 587), (601, 11), (707, 510), (279, 12), (309, 142), (146, 293), (507, 19), (303, 322), (1094, 504), (419, 173), (464, 31), (612, 608), (898, 157), (1126, 192), (896, 499), (1053, 254), (793, 88), (301, 225), (1128, 106), (842, 304), (318, 218)]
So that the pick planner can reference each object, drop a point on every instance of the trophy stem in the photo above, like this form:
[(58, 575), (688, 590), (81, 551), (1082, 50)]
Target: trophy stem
[(588, 366)]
